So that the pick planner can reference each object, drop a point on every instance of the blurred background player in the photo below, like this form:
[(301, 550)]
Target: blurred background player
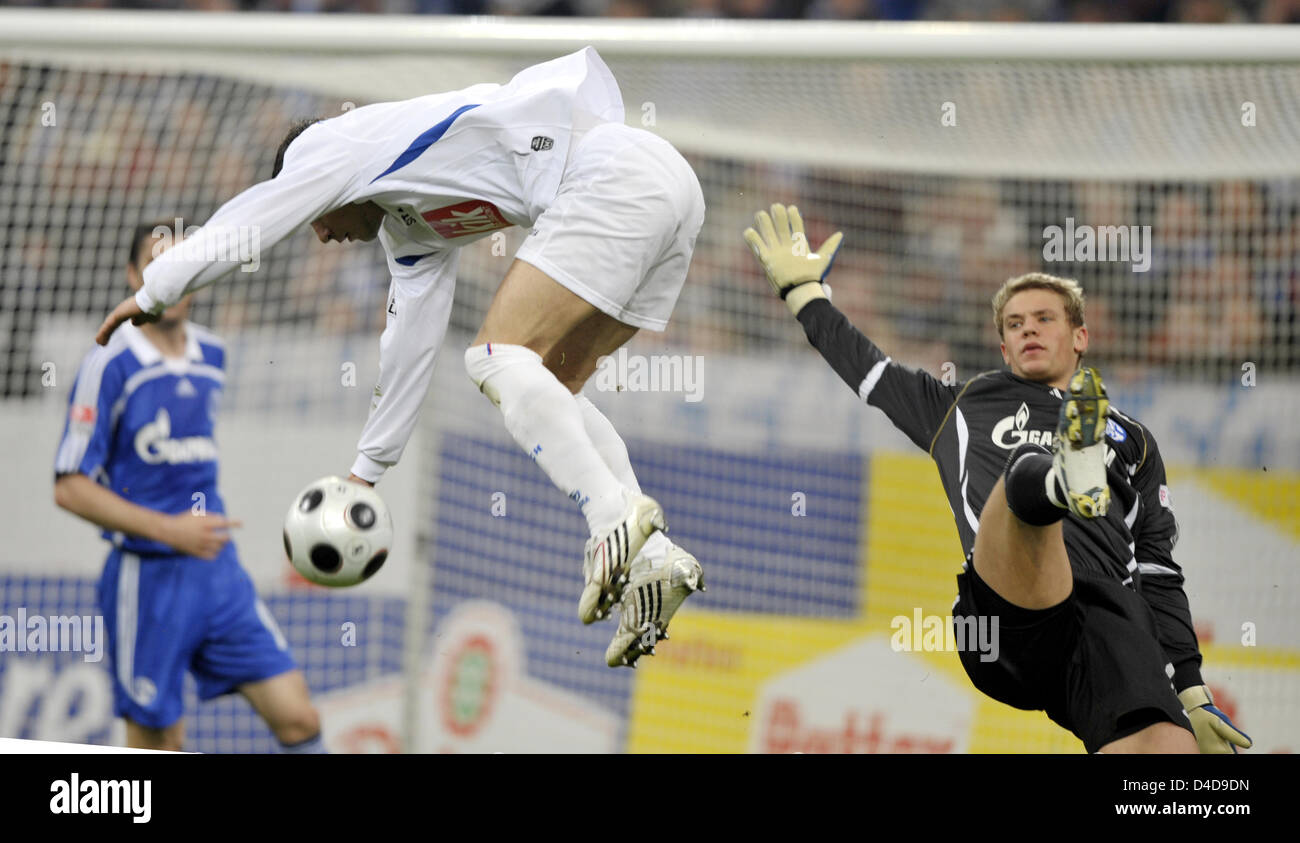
[(613, 213), (1061, 505), (138, 459)]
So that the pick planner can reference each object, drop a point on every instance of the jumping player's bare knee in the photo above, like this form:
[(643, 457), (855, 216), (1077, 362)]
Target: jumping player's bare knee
[(1159, 738), (574, 384), (570, 366), (574, 358), (1024, 564)]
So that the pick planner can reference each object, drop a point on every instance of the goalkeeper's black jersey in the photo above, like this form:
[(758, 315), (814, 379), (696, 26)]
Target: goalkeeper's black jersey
[(970, 428)]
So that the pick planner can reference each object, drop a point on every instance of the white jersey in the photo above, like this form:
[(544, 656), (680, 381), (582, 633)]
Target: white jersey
[(448, 169)]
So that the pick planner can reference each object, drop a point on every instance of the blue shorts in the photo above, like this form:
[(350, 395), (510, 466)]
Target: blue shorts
[(165, 615)]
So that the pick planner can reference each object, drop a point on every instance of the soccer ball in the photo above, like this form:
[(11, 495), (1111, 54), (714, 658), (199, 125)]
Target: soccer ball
[(338, 533)]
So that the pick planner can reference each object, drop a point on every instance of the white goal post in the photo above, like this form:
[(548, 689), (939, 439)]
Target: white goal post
[(812, 87)]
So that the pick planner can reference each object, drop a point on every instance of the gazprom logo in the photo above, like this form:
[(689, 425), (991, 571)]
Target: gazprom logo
[(1114, 431), (153, 444), (1011, 431)]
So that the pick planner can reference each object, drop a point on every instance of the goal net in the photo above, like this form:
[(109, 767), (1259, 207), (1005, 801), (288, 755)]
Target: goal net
[(1155, 165)]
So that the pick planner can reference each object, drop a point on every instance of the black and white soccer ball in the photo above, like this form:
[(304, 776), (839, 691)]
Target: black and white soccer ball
[(338, 533)]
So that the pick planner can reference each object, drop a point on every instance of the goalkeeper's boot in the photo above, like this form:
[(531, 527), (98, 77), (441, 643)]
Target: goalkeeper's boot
[(1079, 459), (608, 556), (652, 597)]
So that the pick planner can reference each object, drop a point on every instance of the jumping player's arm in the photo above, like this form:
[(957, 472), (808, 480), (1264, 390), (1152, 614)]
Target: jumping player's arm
[(83, 454), (319, 168), (914, 401), (1155, 532), (419, 308)]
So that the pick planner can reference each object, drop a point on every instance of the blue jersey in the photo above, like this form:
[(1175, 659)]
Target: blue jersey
[(141, 424)]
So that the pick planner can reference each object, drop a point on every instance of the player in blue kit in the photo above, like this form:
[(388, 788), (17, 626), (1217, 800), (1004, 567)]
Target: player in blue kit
[(138, 459)]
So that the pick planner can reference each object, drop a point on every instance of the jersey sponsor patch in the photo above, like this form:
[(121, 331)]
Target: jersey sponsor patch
[(465, 218), (1166, 500), (1011, 431), (154, 444), (1115, 432), (541, 143)]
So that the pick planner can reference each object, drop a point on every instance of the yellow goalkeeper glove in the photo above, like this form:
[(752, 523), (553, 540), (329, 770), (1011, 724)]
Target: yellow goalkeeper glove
[(1215, 734), (796, 272)]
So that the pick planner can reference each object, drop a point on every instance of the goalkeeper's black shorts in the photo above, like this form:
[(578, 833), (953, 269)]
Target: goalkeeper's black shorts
[(1092, 662)]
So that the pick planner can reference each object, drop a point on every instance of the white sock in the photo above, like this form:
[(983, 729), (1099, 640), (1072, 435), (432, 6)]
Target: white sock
[(613, 451), (543, 418)]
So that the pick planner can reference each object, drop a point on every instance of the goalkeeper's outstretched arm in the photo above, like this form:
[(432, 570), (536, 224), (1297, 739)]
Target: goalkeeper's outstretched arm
[(914, 401)]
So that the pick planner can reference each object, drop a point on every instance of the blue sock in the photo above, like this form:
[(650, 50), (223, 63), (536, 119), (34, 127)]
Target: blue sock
[(311, 746)]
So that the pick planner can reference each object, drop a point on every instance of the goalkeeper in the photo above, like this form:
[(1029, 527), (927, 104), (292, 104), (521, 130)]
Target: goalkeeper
[(1061, 506)]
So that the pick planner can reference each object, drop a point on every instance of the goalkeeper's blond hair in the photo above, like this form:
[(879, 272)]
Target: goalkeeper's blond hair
[(1067, 288)]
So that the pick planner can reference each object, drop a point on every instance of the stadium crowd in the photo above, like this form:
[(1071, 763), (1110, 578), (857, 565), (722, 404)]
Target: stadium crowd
[(1078, 11), (923, 254)]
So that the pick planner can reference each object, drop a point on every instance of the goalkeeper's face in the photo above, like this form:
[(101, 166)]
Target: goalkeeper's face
[(351, 222), (1038, 342)]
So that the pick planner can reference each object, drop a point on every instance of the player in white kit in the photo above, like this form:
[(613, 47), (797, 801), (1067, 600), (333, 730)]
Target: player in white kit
[(613, 213)]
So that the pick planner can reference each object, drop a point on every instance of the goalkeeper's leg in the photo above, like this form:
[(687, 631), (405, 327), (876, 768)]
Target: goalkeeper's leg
[(1020, 549), (1158, 738), (1026, 565)]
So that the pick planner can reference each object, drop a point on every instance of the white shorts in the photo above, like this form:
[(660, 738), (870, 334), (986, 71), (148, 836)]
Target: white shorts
[(622, 228)]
